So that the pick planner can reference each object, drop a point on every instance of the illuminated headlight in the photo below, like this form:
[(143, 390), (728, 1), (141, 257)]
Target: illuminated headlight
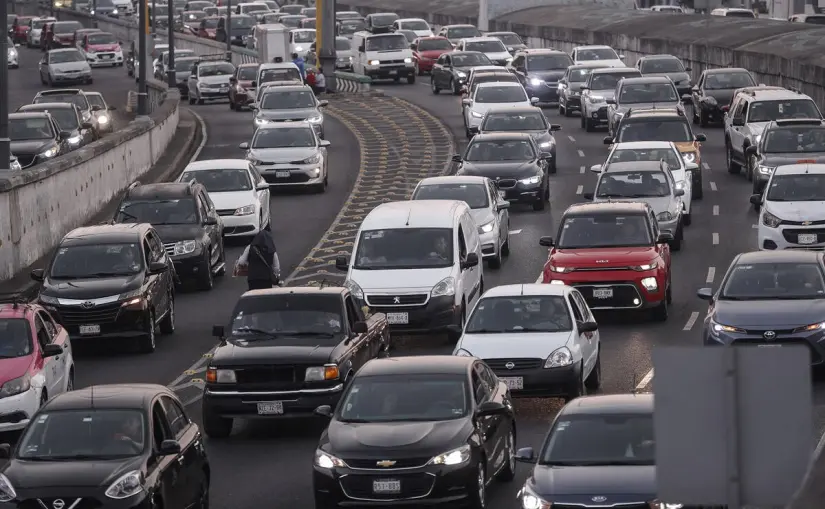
[(487, 228), (508, 59), (457, 456), (664, 505), (354, 288), (560, 270), (185, 247), (664, 216), (560, 358), (7, 493), (221, 376), (531, 180), (766, 170), (530, 500), (546, 144), (261, 121), (327, 461), (114, 11), (444, 287), (12, 53), (87, 116), (645, 267), (476, 114), (49, 153), (374, 62), (595, 99), (126, 486), (102, 120), (718, 328), (299, 48), (689, 157), (810, 328), (556, 282), (321, 373), (536, 82), (463, 353), (316, 120), (92, 12), (770, 220), (461, 74), (680, 185), (650, 284), (74, 140), (314, 159), (246, 210), (16, 386), (191, 16), (408, 60)]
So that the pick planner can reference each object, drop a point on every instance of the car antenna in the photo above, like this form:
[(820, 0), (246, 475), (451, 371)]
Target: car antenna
[(522, 289), (409, 214), (635, 385)]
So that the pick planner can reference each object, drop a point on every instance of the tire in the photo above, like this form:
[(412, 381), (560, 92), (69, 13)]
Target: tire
[(660, 312), (216, 426), (678, 238), (577, 389), (433, 86), (70, 381), (582, 120), (222, 262), (454, 87), (703, 119), (397, 79), (203, 500), (411, 79), (167, 325), (669, 291), (751, 170), (191, 100), (495, 262), (562, 110), (454, 336), (698, 192), (200, 102), (687, 219), (505, 248), (594, 381), (567, 112), (693, 118), (478, 491), (90, 81), (588, 126), (231, 105), (147, 343), (733, 167), (508, 473), (207, 281)]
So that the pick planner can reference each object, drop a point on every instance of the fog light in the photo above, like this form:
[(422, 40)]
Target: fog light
[(636, 302)]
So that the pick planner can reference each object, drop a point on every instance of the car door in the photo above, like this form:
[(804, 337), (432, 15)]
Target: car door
[(43, 67), (502, 216), (519, 68), (580, 342), (737, 134), (485, 425), (158, 250), (502, 423), (166, 471), (696, 93), (591, 338), (60, 338), (263, 194), (470, 231), (155, 290), (51, 365), (441, 70), (191, 450), (215, 230)]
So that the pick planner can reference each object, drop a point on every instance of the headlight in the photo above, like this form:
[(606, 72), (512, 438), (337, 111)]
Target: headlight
[(770, 220), (261, 121), (49, 153), (680, 185), (757, 139), (126, 486), (16, 386), (664, 505), (114, 11), (203, 85), (509, 59), (374, 62), (664, 216), (316, 120), (645, 267), (246, 210), (476, 114), (650, 284), (766, 170), (717, 328), (689, 157), (556, 282), (12, 53), (463, 353), (536, 82), (102, 120), (7, 493), (487, 228), (324, 460), (355, 289), (530, 500), (531, 180), (560, 270), (408, 60), (321, 373), (546, 144), (444, 287), (221, 376), (185, 247), (457, 456), (595, 99), (560, 358), (299, 48), (461, 74), (313, 159), (74, 140), (810, 328)]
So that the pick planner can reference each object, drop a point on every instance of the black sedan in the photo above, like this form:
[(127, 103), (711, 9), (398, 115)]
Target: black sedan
[(769, 298), (714, 92), (36, 138), (450, 71), (529, 120), (69, 119), (514, 161), (125, 446), (435, 429)]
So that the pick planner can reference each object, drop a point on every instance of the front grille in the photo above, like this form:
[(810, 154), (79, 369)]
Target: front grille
[(501, 364), (792, 234), (412, 486), (623, 296), (226, 212), (26, 160), (801, 223), (815, 357), (268, 374), (294, 178), (506, 183), (399, 463), (382, 62), (402, 300), (601, 114), (640, 505), (599, 269), (105, 55), (77, 315), (68, 503)]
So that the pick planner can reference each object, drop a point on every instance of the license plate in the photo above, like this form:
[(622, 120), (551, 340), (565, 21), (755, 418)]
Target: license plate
[(273, 408), (513, 382), (398, 318), (393, 73), (282, 174), (89, 330), (602, 293), (107, 57), (387, 486), (770, 346), (807, 238)]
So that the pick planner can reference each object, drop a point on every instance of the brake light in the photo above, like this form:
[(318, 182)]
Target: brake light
[(806, 161)]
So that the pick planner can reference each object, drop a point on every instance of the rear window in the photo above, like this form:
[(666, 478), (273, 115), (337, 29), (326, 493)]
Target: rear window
[(815, 20), (67, 27)]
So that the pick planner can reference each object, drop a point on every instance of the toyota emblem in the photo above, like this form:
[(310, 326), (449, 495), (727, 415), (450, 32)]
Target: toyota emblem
[(599, 499), (769, 335), (397, 300), (510, 365), (86, 305), (58, 504)]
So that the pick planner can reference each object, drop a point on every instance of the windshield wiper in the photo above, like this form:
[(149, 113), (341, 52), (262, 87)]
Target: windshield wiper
[(356, 421), (78, 457), (594, 463), (307, 333), (485, 331), (252, 330)]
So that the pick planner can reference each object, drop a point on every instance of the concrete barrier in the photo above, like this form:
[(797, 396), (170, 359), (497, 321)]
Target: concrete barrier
[(353, 83)]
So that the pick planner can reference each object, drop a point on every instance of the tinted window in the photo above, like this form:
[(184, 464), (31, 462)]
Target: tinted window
[(509, 39), (158, 212), (578, 75), (604, 81), (500, 95), (351, 26), (654, 154), (342, 44), (102, 260), (633, 185), (283, 74), (470, 59), (287, 100), (15, 338), (518, 122), (303, 35), (415, 25), (221, 69), (288, 137), (38, 128), (815, 20), (589, 440), (636, 93), (769, 281), (795, 139), (66, 118), (548, 62), (463, 32), (242, 22), (62, 57), (184, 65), (661, 65), (740, 14), (801, 187), (290, 319), (475, 195), (38, 23), (596, 54), (604, 230), (387, 43), (765, 111), (729, 80), (67, 27), (486, 46), (78, 100), (520, 314), (434, 45), (96, 100), (383, 19), (652, 130), (407, 248), (174, 414), (255, 8), (220, 180), (247, 73), (210, 23), (510, 150)]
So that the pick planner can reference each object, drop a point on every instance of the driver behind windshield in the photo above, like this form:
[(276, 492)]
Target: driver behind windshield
[(15, 338)]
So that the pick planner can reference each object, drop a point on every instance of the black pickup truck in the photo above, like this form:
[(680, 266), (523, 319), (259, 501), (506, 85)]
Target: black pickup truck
[(286, 352)]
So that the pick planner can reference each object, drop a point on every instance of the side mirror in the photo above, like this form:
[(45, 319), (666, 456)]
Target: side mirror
[(679, 192), (555, 127), (244, 145), (691, 166), (545, 155), (608, 140), (52, 350), (323, 103), (621, 57), (701, 137), (325, 143), (210, 221), (588, 196), (169, 447), (546, 242), (158, 267), (534, 100), (751, 151), (738, 121), (490, 408), (610, 101), (38, 275), (705, 293), (596, 168), (263, 186), (324, 411), (503, 205), (342, 262), (97, 108), (218, 331), (360, 328), (588, 327), (474, 130), (87, 125), (756, 199), (254, 84), (526, 455), (665, 238), (471, 261), (583, 88), (233, 80), (466, 102), (688, 69), (457, 158), (687, 98), (65, 135)]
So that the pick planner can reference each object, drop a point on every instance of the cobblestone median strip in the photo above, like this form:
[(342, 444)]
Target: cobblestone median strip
[(400, 144)]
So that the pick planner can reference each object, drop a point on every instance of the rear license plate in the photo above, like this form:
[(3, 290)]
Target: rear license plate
[(770, 346), (386, 486), (393, 73), (807, 238), (89, 330), (398, 318), (513, 382), (282, 174), (272, 408), (602, 293)]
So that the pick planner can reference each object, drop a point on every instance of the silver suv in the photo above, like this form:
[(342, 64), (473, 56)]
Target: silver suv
[(597, 90), (645, 92)]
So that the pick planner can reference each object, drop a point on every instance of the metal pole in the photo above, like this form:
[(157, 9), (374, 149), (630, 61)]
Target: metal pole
[(732, 428), (143, 56), (483, 17), (5, 149), (325, 40), (229, 30), (170, 17), (154, 19)]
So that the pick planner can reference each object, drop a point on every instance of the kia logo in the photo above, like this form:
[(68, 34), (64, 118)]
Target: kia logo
[(599, 499), (510, 365)]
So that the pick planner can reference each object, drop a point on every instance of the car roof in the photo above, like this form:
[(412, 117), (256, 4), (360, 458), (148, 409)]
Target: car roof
[(452, 179), (529, 289), (659, 57), (630, 145), (417, 365), (453, 53), (776, 95), (277, 65), (610, 404), (635, 166), (63, 50), (503, 135), (105, 234), (211, 164), (47, 106), (16, 307), (413, 214), (724, 70), (460, 25), (653, 112), (542, 51), (29, 114), (490, 84), (611, 70), (607, 208), (647, 79), (160, 191), (296, 290), (779, 256), (800, 169), (284, 125), (288, 88), (75, 91), (592, 64), (594, 46), (412, 19), (482, 38), (114, 396), (493, 34)]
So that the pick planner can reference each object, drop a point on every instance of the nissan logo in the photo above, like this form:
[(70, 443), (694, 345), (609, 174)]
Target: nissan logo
[(769, 335), (86, 305), (510, 365), (58, 504)]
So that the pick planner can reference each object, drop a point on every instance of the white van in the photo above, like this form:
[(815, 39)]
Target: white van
[(418, 262), (383, 56)]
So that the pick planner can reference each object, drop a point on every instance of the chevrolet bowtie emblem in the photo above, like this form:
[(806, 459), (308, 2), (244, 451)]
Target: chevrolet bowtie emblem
[(385, 463), (807, 223)]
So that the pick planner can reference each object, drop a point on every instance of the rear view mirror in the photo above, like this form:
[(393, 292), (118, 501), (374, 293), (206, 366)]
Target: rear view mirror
[(158, 267), (473, 130), (701, 137), (52, 350), (687, 98), (691, 166), (471, 261), (503, 205), (38, 275), (466, 102), (263, 186), (325, 143), (526, 455), (738, 121), (244, 146), (610, 101), (596, 168), (679, 192), (588, 196), (751, 151), (588, 327), (457, 158), (534, 100), (756, 199), (210, 221), (323, 103), (608, 140), (87, 125), (665, 238), (65, 135), (254, 84), (705, 293), (555, 127)]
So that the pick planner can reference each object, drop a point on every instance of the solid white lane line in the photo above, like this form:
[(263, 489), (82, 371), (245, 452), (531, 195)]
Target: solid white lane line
[(581, 154), (711, 275), (716, 210), (645, 380), (571, 139), (706, 166), (204, 136), (579, 189), (713, 186), (715, 239), (691, 320), (515, 232), (582, 170)]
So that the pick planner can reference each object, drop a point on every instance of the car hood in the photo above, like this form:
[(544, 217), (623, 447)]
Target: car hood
[(215, 80), (722, 96), (605, 63), (482, 216), (433, 54), (658, 204), (91, 288), (799, 211), (640, 106), (283, 155), (68, 474), (296, 115), (69, 66), (778, 314), (555, 482), (519, 345), (403, 280), (233, 199), (675, 77), (236, 352), (30, 147), (607, 94), (466, 69), (94, 48), (395, 439), (14, 368), (485, 107), (516, 47), (247, 84), (779, 159), (603, 256), (181, 76), (552, 75), (177, 232), (502, 169), (687, 146), (498, 55)]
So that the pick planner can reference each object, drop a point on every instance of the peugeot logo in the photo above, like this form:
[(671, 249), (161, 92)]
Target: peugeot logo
[(397, 300), (769, 335), (385, 463), (599, 499), (86, 305), (510, 365), (58, 504)]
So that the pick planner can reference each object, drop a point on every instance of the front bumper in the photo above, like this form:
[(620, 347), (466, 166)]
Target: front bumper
[(490, 245), (426, 64), (814, 341), (538, 382), (191, 266), (285, 174), (79, 77), (17, 410), (13, 61), (389, 71), (211, 94), (791, 237), (547, 92), (113, 320), (626, 293), (597, 113), (240, 226), (435, 315), (105, 58), (516, 191), (88, 497), (228, 403), (573, 102)]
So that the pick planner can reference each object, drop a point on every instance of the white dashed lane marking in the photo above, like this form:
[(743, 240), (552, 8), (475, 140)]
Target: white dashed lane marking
[(514, 232), (581, 153), (645, 381), (572, 139), (716, 210), (579, 189), (711, 275), (582, 170), (715, 239), (706, 166), (691, 320), (713, 186)]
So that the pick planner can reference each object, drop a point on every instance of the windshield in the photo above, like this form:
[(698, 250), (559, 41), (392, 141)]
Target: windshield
[(284, 137), (185, 65), (604, 81), (242, 21), (255, 8), (548, 62), (101, 260), (500, 95), (66, 118), (387, 43), (405, 248), (646, 184), (586, 55), (221, 69), (247, 73), (506, 150), (342, 44), (38, 23), (294, 320), (486, 46), (66, 27), (382, 20), (769, 281), (352, 26), (292, 21), (309, 23), (590, 440), (15, 338), (463, 32), (662, 65), (220, 180), (532, 313), (293, 100), (419, 398), (765, 111), (578, 75), (740, 14), (434, 45), (509, 39), (409, 34), (633, 155), (283, 74), (795, 139), (158, 212), (674, 130), (728, 81), (635, 93), (96, 100), (269, 18), (800, 187), (474, 195), (38, 128), (303, 35), (84, 435), (415, 25), (101, 39), (518, 122), (78, 100), (604, 230), (292, 9), (210, 23), (62, 57)]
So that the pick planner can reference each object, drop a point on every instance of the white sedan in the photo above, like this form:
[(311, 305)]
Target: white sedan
[(239, 192), (494, 94), (541, 340)]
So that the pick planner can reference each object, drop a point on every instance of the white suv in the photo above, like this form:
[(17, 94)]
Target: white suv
[(792, 215)]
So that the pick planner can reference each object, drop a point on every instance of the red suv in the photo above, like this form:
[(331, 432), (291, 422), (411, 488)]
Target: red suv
[(59, 34), (615, 255), (20, 29), (426, 51)]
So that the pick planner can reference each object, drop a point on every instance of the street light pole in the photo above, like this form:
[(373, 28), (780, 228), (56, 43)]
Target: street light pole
[(143, 55), (170, 20), (325, 37), (154, 19), (229, 30), (5, 142)]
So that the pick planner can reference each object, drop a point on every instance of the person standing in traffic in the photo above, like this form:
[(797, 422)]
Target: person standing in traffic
[(320, 82), (259, 262), (299, 62)]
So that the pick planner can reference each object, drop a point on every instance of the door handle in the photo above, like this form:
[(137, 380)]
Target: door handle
[(180, 459)]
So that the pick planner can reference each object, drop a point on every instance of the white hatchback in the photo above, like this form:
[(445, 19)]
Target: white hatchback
[(792, 208), (493, 94)]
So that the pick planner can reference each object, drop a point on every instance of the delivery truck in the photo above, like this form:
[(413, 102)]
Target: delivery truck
[(272, 43)]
